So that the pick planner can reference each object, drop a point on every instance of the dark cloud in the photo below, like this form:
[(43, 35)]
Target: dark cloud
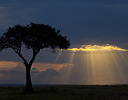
[(18, 69), (94, 20), (17, 75), (44, 77), (49, 72), (100, 21), (35, 70), (12, 72)]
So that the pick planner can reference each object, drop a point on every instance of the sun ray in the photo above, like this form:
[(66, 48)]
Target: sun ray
[(58, 56), (72, 57), (100, 64), (69, 71), (122, 64)]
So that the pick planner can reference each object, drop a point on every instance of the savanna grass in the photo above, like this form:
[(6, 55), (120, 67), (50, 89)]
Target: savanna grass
[(66, 92)]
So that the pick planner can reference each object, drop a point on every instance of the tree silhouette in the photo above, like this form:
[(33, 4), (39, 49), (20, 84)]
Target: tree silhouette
[(35, 37)]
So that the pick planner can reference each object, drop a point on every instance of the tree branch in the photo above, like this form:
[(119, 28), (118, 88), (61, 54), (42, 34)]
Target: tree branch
[(32, 60), (24, 60), (20, 55), (35, 52)]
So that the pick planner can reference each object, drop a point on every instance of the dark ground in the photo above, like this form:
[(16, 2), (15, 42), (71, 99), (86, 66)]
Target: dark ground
[(66, 92)]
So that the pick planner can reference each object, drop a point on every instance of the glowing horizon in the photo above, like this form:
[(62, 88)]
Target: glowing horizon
[(106, 47)]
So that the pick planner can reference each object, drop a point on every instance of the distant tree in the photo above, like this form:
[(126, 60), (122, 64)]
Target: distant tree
[(35, 37)]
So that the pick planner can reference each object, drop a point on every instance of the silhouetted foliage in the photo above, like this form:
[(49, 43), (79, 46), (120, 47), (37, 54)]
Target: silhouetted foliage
[(35, 37)]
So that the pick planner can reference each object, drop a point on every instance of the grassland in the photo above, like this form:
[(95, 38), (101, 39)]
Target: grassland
[(66, 92)]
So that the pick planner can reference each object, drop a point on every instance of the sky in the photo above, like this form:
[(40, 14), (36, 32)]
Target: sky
[(84, 22)]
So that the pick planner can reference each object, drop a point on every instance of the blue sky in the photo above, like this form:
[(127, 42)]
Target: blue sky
[(82, 21)]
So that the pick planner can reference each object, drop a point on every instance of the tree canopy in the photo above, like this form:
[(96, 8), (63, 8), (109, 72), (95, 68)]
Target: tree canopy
[(33, 36)]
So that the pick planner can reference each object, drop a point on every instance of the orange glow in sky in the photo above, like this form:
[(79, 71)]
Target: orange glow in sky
[(101, 65), (106, 47)]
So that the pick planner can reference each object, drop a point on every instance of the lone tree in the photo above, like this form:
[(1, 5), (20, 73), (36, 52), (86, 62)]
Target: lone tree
[(35, 37)]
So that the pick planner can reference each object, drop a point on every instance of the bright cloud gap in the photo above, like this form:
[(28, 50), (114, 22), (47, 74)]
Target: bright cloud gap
[(106, 47)]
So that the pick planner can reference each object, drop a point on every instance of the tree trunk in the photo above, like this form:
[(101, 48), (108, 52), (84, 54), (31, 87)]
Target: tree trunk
[(28, 87)]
